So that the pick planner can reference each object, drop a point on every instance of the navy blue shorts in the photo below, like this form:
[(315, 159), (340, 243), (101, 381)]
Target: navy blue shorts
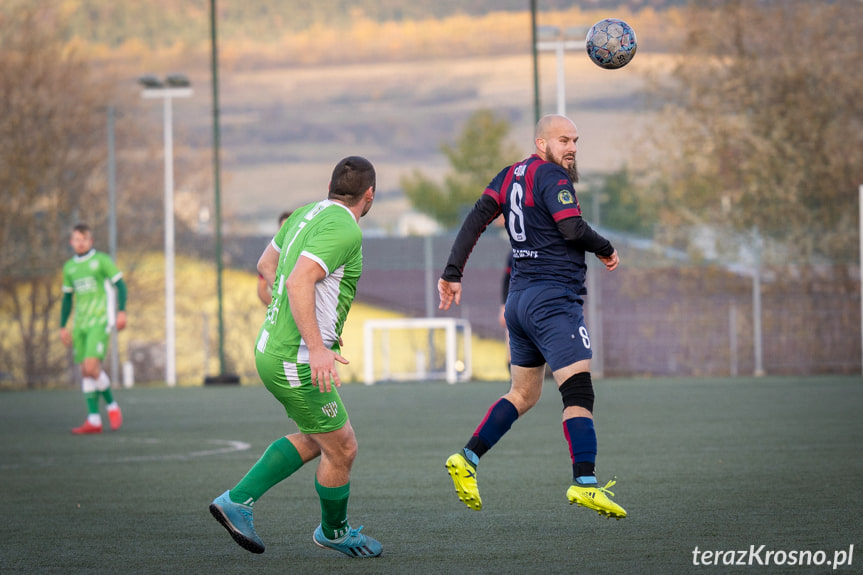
[(546, 325)]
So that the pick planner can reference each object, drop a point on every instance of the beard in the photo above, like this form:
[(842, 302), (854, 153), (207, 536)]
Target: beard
[(572, 170)]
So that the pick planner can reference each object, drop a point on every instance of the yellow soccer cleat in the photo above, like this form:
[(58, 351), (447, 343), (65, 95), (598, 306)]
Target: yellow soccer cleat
[(596, 498), (463, 475)]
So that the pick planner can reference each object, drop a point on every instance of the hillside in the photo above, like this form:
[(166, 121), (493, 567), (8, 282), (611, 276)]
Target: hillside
[(284, 129), (389, 80), (163, 23)]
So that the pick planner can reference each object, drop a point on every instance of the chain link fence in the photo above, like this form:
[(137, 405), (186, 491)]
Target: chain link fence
[(650, 317)]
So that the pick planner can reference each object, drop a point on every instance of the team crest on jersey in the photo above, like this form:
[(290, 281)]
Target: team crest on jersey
[(94, 265), (565, 197)]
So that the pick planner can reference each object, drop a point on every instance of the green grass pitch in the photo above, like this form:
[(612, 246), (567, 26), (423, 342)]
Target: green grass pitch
[(718, 464)]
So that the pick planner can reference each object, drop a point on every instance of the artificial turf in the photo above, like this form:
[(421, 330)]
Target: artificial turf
[(719, 464)]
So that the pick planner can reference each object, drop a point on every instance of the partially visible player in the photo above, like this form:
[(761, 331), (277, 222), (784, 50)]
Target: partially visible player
[(89, 281), (315, 262), (544, 313), (265, 290)]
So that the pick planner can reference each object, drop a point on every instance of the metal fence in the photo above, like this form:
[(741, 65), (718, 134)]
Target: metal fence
[(650, 317), (661, 319)]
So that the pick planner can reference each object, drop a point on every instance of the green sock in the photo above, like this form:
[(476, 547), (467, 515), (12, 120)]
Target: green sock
[(277, 463), (109, 397), (92, 399), (334, 509)]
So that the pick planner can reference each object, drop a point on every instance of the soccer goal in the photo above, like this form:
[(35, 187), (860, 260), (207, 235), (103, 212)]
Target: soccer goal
[(416, 349)]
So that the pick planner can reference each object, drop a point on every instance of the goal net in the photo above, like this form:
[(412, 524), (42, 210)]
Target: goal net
[(416, 349)]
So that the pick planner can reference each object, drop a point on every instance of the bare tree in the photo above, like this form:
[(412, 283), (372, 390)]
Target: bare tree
[(49, 139), (53, 167), (763, 124)]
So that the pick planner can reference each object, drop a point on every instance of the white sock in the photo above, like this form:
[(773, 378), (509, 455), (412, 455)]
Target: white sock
[(94, 419), (104, 382), (112, 406), (88, 385)]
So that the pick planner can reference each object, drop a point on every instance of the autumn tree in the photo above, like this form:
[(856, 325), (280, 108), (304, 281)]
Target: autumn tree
[(480, 152), (763, 127)]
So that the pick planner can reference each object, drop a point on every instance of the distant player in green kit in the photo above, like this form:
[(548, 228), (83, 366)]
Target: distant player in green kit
[(313, 264), (90, 277)]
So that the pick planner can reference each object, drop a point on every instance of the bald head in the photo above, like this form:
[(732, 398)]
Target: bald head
[(550, 123), (556, 138)]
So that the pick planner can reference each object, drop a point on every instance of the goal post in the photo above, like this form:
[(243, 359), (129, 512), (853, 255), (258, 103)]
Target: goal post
[(414, 349)]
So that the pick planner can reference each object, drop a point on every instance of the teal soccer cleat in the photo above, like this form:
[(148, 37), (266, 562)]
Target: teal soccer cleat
[(237, 519), (354, 544)]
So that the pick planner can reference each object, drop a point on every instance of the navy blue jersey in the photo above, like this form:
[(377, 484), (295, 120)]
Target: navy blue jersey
[(534, 195), (543, 219)]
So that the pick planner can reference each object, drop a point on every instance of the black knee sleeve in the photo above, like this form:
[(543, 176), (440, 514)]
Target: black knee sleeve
[(577, 391)]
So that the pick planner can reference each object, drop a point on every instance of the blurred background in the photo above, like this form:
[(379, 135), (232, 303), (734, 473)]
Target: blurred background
[(725, 162)]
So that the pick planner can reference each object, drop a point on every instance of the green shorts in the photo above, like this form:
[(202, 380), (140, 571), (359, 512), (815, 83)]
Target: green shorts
[(291, 384), (92, 342)]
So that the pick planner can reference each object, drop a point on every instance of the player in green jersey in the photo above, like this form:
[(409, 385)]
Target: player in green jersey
[(90, 277), (313, 264)]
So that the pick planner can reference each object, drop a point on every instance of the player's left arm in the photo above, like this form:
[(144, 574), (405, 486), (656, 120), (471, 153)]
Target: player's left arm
[(122, 292), (65, 312), (559, 197), (576, 229)]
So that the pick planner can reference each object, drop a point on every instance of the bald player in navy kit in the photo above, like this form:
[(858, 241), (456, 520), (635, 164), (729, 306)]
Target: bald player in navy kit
[(544, 313)]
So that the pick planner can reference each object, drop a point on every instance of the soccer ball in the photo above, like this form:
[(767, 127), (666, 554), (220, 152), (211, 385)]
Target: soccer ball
[(611, 43)]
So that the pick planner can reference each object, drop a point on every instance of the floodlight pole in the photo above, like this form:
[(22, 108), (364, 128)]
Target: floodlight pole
[(559, 45), (223, 376), (112, 234), (214, 65), (756, 306), (167, 95), (535, 56)]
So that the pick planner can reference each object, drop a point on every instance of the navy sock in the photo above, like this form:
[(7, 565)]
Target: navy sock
[(581, 437), (498, 420)]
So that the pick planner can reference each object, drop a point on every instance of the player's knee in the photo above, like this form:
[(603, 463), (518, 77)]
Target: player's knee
[(347, 449), (91, 367), (577, 391)]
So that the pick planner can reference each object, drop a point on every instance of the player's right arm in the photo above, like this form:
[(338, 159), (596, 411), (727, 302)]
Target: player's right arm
[(264, 293), (267, 265), (485, 210)]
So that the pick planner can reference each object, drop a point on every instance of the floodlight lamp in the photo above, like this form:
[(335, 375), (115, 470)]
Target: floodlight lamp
[(547, 32), (150, 81), (177, 81), (577, 32)]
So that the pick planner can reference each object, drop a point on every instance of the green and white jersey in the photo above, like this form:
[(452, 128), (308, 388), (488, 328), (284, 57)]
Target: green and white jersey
[(91, 278), (327, 233)]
